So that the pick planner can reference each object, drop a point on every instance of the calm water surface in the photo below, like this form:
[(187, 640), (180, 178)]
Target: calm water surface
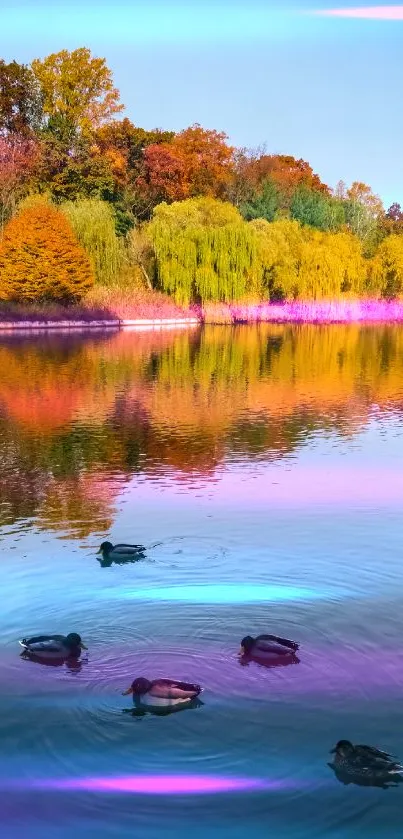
[(262, 469)]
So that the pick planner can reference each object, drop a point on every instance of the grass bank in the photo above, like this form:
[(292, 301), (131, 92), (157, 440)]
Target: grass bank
[(110, 305)]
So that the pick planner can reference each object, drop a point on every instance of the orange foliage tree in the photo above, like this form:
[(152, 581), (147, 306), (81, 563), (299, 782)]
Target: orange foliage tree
[(40, 258), (195, 162), (284, 171)]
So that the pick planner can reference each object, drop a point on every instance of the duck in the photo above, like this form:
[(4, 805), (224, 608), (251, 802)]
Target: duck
[(267, 647), (53, 646), (365, 763), (162, 694), (120, 554)]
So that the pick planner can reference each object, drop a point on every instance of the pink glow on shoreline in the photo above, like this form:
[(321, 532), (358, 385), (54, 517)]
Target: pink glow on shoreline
[(321, 311), (365, 13)]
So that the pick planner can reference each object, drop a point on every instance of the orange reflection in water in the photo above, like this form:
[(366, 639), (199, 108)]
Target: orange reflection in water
[(81, 414)]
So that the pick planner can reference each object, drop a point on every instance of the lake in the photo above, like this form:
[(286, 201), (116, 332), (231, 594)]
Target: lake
[(261, 468)]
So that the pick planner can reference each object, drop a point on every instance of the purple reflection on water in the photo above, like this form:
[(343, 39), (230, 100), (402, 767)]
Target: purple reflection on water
[(161, 784), (321, 671)]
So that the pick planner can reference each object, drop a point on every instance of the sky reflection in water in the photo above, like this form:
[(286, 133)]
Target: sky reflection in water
[(260, 467)]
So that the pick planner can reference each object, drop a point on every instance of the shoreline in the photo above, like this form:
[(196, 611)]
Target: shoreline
[(323, 312)]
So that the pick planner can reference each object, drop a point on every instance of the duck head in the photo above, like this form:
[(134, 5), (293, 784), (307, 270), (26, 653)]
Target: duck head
[(246, 645), (73, 642), (105, 548), (138, 688), (343, 749)]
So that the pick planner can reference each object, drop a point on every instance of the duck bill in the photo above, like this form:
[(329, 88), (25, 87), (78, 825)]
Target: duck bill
[(241, 651), (83, 647), (333, 751), (126, 692), (98, 552)]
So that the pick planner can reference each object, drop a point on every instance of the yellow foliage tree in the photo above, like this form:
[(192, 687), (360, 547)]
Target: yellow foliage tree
[(77, 87), (301, 262), (40, 258), (386, 268)]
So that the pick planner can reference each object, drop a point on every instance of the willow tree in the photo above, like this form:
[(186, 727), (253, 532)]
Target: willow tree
[(280, 247), (301, 262), (204, 250), (385, 275), (93, 223), (332, 266)]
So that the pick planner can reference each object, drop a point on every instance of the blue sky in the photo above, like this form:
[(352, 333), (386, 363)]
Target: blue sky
[(324, 88)]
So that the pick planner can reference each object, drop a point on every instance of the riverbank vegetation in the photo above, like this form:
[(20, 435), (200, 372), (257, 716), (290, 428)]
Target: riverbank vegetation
[(178, 219)]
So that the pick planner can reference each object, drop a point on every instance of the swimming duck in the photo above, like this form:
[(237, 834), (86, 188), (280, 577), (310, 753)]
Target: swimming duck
[(162, 694), (365, 762), (267, 647), (53, 646), (120, 553)]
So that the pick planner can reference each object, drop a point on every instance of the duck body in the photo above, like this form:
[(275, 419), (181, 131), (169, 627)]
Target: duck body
[(268, 648), (162, 694), (365, 764), (120, 554), (53, 646)]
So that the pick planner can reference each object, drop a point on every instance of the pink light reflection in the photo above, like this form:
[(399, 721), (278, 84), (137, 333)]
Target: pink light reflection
[(163, 784), (366, 13), (304, 485)]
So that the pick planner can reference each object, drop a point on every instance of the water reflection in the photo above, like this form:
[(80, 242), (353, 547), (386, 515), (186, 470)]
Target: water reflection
[(80, 415), (73, 664), (345, 779)]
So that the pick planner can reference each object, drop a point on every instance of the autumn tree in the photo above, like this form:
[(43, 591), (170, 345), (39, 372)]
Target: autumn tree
[(40, 258), (18, 162), (78, 88), (207, 160), (196, 162), (286, 172), (301, 262), (163, 178), (363, 209), (20, 100), (391, 222), (125, 144), (72, 173), (386, 268)]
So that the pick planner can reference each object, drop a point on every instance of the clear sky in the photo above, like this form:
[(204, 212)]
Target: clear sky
[(291, 75)]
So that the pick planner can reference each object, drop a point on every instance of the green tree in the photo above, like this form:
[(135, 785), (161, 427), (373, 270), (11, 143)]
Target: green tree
[(263, 204), (71, 169), (317, 209)]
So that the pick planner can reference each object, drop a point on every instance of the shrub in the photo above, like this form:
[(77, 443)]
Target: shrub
[(40, 259)]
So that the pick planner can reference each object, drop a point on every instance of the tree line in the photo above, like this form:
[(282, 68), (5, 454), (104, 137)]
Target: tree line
[(183, 212)]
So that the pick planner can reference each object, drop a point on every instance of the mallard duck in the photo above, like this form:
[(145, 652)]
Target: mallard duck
[(53, 646), (120, 553), (162, 693), (267, 647), (365, 762)]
